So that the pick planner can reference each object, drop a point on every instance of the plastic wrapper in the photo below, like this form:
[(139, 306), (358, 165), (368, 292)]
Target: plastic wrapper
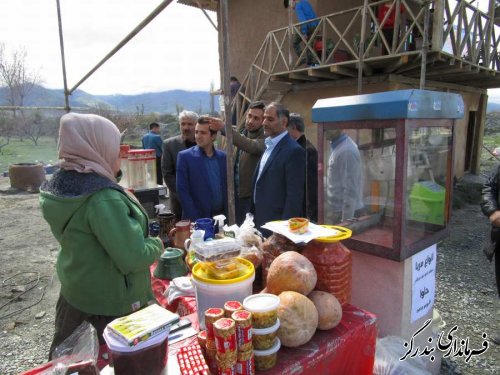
[(78, 353), (388, 352), (252, 254), (251, 240), (248, 235), (216, 250)]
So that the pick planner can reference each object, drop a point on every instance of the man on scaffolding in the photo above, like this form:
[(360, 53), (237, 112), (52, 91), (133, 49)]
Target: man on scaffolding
[(304, 12)]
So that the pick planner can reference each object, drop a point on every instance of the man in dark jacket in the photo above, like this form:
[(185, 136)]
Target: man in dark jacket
[(171, 147), (250, 146), (490, 205), (201, 176), (296, 128), (279, 177)]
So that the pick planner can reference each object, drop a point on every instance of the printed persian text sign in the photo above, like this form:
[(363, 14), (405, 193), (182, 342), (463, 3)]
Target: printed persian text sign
[(423, 282)]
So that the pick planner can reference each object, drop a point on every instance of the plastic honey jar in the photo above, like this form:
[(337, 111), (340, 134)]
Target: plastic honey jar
[(333, 263)]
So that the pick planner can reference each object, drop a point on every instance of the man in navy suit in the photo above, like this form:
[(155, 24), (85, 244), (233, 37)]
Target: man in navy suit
[(201, 176), (279, 178)]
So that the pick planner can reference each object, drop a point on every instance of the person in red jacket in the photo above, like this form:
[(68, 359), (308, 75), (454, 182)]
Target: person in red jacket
[(389, 24)]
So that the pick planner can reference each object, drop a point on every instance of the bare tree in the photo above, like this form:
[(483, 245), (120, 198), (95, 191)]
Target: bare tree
[(33, 127), (6, 128), (19, 81)]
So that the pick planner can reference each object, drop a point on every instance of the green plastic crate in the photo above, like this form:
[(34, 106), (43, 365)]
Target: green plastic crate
[(427, 202)]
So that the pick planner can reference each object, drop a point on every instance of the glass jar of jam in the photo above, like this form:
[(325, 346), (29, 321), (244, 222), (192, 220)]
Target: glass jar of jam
[(333, 263)]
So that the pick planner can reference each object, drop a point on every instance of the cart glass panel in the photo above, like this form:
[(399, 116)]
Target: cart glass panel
[(429, 158), (359, 180)]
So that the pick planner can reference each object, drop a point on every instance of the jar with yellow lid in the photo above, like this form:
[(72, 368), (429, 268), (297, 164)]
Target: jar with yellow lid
[(332, 261), (211, 291)]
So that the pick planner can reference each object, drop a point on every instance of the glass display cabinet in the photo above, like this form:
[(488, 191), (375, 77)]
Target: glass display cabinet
[(386, 168)]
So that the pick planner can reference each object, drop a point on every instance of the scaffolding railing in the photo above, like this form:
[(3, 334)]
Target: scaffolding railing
[(467, 34)]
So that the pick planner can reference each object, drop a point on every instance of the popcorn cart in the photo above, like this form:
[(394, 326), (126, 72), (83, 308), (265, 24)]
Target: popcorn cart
[(402, 169)]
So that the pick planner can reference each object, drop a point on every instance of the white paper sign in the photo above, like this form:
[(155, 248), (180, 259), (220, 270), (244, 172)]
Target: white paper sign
[(314, 231), (423, 282)]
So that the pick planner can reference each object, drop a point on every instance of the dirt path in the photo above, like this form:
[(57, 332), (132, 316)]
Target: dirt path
[(28, 253), (466, 295)]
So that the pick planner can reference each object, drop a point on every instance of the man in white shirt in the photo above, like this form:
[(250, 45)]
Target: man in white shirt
[(344, 180)]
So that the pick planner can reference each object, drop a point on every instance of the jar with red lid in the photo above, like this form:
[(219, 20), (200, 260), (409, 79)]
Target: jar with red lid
[(142, 169), (333, 263), (124, 149)]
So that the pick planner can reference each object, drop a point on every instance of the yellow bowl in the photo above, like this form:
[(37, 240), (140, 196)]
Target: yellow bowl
[(299, 225)]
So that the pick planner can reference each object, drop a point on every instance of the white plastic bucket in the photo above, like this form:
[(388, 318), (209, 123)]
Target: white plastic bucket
[(216, 295)]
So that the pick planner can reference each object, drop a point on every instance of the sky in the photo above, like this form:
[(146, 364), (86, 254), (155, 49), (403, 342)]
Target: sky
[(177, 50)]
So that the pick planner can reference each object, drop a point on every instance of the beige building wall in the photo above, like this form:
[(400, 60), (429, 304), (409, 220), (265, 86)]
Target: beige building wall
[(251, 20)]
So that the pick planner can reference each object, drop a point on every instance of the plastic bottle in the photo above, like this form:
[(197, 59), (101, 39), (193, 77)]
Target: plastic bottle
[(219, 220), (196, 237)]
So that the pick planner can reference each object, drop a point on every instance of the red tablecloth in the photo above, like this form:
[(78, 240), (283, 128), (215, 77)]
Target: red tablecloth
[(348, 349)]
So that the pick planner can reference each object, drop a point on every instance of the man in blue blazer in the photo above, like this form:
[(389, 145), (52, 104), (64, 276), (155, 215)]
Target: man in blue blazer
[(201, 176), (279, 178)]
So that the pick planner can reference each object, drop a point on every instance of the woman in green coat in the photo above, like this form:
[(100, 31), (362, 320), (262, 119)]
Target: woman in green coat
[(105, 250)]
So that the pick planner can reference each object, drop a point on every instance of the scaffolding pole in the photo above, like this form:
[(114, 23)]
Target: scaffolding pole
[(63, 60), (425, 46), (224, 50)]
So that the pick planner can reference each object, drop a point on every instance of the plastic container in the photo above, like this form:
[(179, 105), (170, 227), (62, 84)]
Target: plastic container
[(146, 358), (333, 263), (264, 338), (151, 181), (211, 251), (266, 359), (211, 292), (124, 149), (224, 269), (427, 202), (264, 309), (142, 169)]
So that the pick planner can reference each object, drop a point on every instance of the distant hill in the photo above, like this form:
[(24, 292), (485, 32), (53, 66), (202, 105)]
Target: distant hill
[(161, 102), (492, 107)]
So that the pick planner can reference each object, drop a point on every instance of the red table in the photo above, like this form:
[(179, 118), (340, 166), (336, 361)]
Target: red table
[(348, 349)]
